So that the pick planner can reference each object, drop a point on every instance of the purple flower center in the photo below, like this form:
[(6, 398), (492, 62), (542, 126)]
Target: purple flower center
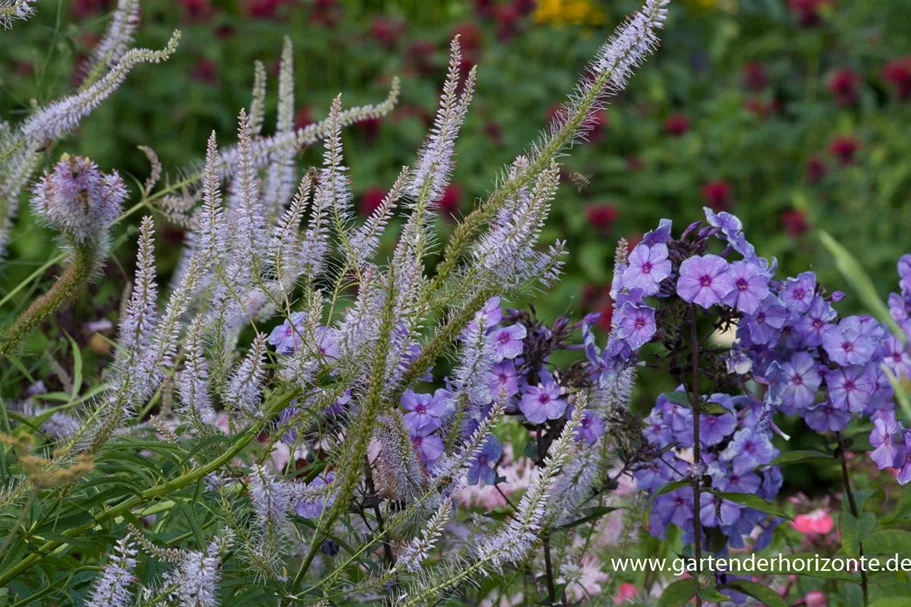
[(503, 338), (817, 323), (640, 323), (544, 398), (760, 318), (586, 422), (705, 280), (850, 386), (749, 447), (847, 346), (799, 294), (647, 267), (797, 380), (897, 357), (742, 284), (421, 409)]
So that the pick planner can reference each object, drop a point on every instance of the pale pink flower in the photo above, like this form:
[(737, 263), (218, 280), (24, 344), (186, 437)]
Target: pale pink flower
[(625, 592), (815, 598), (818, 522), (590, 579)]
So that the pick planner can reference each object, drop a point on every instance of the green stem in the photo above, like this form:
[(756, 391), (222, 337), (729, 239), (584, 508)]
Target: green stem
[(70, 284)]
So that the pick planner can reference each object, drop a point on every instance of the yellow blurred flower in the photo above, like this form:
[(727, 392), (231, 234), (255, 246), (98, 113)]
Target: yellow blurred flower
[(569, 12)]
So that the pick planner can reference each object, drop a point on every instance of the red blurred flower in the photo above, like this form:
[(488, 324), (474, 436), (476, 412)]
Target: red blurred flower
[(327, 13), (507, 17), (755, 77), (224, 32), (808, 12), (762, 108), (634, 163), (371, 200), (387, 30), (80, 9), (451, 202), (717, 194), (845, 85), (417, 112), (525, 7), (369, 129), (418, 57), (795, 223), (676, 124), (816, 168), (471, 39), (494, 131), (205, 71), (845, 149), (484, 8), (898, 73), (195, 10), (262, 9), (625, 592), (601, 215), (303, 117)]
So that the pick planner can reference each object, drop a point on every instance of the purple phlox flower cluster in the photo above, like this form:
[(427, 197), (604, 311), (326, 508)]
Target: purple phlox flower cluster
[(735, 456), (891, 441), (543, 402), (591, 427), (483, 469), (290, 336)]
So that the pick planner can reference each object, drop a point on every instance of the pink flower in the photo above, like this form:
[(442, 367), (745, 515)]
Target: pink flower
[(195, 10), (303, 117), (451, 201), (844, 84), (601, 215), (589, 582), (205, 71), (845, 149), (898, 73), (815, 598), (816, 168), (717, 194), (795, 223), (755, 77), (808, 12), (371, 200), (676, 124), (818, 522), (387, 30), (625, 592)]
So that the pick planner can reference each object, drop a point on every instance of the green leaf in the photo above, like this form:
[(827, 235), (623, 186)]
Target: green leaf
[(892, 601), (893, 541), (592, 514), (77, 367), (855, 530), (752, 501), (682, 398), (763, 594), (799, 457), (860, 281), (679, 593)]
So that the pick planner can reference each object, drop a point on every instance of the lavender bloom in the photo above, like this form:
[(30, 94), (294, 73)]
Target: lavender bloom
[(751, 287), (704, 280), (286, 337), (491, 314), (716, 512), (542, 402), (749, 449), (646, 268), (503, 377), (656, 431), (886, 441), (765, 327), (507, 341), (713, 429), (660, 235), (897, 358), (483, 468), (430, 447), (904, 474), (657, 472), (269, 497), (848, 343), (801, 381), (813, 325), (826, 417), (424, 412), (675, 507), (904, 273), (797, 293), (729, 224), (850, 388), (635, 324), (591, 427), (113, 587), (78, 200)]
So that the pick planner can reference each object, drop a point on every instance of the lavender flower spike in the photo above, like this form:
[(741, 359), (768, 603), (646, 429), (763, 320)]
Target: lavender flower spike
[(11, 10), (245, 385), (113, 587)]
